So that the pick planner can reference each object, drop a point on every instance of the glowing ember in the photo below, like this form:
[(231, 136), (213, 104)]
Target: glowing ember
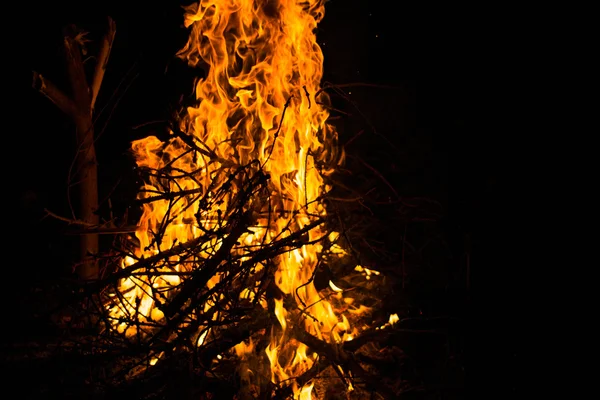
[(259, 105)]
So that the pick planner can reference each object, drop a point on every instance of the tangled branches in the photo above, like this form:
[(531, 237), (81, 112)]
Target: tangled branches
[(213, 299)]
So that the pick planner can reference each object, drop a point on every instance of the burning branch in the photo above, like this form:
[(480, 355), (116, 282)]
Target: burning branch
[(344, 361)]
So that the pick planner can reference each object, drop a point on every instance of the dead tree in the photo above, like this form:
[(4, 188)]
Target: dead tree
[(79, 107)]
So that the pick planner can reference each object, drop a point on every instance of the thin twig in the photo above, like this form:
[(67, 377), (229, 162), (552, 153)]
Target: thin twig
[(69, 221)]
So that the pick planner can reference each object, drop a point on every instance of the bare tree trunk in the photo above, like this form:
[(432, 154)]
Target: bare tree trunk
[(79, 106), (87, 178)]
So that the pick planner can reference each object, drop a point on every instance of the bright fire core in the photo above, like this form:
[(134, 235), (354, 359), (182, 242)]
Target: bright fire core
[(259, 103)]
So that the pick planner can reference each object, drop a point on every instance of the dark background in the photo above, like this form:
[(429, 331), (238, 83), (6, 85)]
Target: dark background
[(439, 112)]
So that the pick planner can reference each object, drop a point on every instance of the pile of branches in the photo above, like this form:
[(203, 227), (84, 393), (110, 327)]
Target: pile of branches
[(101, 355), (193, 343)]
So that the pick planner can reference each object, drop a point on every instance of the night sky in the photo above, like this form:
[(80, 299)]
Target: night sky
[(434, 112)]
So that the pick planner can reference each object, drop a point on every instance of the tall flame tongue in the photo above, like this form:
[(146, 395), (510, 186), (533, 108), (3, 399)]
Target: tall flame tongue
[(259, 103)]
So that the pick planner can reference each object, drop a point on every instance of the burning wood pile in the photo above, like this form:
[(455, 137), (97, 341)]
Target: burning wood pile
[(240, 270), (235, 218)]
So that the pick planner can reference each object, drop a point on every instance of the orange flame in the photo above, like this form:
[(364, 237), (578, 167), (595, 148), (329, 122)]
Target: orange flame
[(260, 102)]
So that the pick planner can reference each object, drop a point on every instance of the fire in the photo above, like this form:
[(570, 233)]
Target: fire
[(259, 105)]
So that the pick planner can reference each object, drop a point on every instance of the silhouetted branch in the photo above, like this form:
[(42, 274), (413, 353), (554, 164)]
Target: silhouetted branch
[(54, 94), (102, 60)]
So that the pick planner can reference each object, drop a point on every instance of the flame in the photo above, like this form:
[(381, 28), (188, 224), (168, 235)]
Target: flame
[(259, 102), (305, 392), (334, 287)]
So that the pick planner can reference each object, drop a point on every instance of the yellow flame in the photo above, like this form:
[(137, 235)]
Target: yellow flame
[(243, 348), (334, 287), (306, 392), (260, 100), (280, 313)]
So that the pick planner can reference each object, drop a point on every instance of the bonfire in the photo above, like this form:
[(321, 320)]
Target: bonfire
[(240, 267), (235, 215)]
